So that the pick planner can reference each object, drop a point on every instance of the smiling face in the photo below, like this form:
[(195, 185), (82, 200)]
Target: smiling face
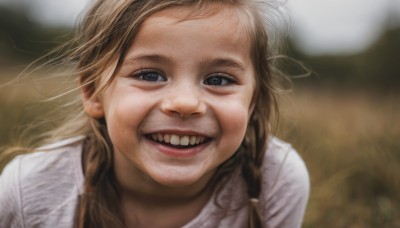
[(179, 105)]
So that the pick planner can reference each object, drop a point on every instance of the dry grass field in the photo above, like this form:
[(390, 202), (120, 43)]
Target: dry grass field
[(350, 141)]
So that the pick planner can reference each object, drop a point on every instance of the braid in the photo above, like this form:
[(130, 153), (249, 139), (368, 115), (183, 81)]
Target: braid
[(100, 195), (255, 147)]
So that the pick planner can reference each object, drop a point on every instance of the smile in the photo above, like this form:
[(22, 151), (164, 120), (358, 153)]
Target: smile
[(176, 140)]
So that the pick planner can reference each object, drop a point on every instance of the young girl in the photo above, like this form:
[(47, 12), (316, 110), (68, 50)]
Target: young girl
[(174, 128)]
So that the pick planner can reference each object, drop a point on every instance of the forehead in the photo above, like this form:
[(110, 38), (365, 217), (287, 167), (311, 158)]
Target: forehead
[(199, 34), (219, 13), (211, 19)]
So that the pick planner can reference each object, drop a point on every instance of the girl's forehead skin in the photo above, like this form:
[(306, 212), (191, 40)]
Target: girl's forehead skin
[(238, 23), (226, 22)]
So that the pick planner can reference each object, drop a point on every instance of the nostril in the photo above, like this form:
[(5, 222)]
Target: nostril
[(183, 107), (184, 113)]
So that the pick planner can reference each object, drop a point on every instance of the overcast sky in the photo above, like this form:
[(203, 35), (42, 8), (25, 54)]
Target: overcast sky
[(319, 26), (341, 26)]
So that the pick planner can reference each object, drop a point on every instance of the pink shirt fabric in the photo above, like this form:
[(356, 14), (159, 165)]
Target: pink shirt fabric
[(41, 189)]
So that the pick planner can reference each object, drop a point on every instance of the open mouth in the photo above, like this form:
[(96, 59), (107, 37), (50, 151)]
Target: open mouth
[(178, 141)]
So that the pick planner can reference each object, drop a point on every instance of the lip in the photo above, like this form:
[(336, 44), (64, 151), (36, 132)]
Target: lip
[(179, 152)]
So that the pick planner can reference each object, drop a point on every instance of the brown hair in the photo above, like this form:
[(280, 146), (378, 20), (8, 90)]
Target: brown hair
[(105, 35)]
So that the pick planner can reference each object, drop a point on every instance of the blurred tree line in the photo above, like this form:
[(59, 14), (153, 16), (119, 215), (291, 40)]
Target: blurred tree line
[(376, 67), (23, 40)]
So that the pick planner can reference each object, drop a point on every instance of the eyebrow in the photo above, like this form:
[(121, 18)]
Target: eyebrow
[(155, 58), (148, 58), (225, 62)]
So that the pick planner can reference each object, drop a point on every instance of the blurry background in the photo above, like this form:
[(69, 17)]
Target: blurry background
[(344, 119)]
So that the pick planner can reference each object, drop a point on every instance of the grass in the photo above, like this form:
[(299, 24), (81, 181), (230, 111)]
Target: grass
[(348, 139), (350, 142)]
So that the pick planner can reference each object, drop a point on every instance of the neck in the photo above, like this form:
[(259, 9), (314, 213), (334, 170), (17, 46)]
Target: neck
[(146, 203), (142, 189), (134, 185)]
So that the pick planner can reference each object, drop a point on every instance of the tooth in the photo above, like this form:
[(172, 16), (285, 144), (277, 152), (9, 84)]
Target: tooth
[(197, 140), (174, 140), (154, 137), (160, 137), (192, 140), (184, 140), (201, 139), (167, 138)]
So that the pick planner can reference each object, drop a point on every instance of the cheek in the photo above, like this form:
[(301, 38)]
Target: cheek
[(118, 124), (234, 112), (124, 116), (233, 118)]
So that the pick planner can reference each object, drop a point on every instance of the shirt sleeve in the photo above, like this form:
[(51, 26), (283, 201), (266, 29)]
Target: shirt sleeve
[(10, 200), (288, 192)]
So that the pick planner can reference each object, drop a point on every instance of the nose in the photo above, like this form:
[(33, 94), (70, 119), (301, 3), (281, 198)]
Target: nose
[(183, 101)]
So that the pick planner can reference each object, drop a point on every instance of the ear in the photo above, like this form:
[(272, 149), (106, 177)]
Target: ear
[(92, 105)]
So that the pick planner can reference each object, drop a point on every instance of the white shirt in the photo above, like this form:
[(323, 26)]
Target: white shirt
[(41, 189)]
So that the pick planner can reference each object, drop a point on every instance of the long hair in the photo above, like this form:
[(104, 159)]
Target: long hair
[(105, 35)]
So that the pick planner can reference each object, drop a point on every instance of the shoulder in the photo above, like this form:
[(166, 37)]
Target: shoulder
[(9, 196), (43, 182), (282, 163), (52, 158), (286, 185)]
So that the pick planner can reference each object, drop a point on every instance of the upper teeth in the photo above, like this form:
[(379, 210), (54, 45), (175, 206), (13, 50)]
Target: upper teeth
[(183, 140)]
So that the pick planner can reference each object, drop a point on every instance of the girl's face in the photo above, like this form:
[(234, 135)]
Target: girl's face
[(180, 103)]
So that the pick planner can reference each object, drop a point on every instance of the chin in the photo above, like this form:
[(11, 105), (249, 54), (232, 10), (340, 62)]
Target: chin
[(179, 179)]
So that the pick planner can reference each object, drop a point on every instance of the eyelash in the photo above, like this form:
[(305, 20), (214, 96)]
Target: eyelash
[(222, 78), (142, 73)]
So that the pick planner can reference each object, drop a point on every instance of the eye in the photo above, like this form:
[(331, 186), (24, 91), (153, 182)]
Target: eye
[(219, 80), (150, 76)]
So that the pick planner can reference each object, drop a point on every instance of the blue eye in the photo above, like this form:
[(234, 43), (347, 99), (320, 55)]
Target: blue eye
[(219, 80), (150, 76)]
